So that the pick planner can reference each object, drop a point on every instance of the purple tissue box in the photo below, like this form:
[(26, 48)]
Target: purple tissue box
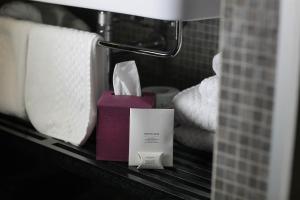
[(112, 140)]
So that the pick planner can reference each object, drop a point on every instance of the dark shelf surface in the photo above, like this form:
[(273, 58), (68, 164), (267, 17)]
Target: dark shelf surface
[(190, 178)]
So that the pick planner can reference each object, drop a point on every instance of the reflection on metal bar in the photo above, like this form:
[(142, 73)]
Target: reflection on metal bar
[(150, 52)]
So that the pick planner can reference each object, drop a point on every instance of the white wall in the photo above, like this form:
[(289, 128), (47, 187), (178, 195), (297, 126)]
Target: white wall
[(286, 100)]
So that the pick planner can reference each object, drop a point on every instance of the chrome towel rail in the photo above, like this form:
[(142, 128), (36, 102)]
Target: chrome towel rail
[(105, 28)]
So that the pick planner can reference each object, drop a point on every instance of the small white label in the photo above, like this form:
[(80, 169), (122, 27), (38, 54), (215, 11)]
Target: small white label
[(151, 131), (151, 138), (150, 160)]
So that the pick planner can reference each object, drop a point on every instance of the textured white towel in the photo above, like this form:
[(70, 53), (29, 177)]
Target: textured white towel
[(198, 105), (13, 50), (195, 138), (217, 64), (63, 82)]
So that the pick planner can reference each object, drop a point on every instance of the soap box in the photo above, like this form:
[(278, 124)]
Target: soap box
[(112, 137)]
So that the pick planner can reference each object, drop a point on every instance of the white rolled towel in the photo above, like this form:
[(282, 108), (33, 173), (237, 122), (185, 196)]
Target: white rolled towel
[(21, 10), (64, 80), (198, 105), (195, 138), (217, 63), (13, 51)]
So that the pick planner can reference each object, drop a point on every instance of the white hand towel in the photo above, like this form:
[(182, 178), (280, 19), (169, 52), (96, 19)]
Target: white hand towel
[(195, 138), (13, 51), (63, 82)]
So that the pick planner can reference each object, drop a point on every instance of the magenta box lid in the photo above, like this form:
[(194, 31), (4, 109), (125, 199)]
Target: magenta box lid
[(108, 99)]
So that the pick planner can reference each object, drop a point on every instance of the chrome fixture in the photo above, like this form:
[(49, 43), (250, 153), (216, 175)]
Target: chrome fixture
[(105, 21)]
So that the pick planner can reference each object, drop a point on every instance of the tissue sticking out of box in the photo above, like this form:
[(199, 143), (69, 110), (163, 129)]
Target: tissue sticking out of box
[(126, 79)]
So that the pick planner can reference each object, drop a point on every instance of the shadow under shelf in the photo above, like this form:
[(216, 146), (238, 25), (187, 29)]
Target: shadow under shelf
[(190, 178)]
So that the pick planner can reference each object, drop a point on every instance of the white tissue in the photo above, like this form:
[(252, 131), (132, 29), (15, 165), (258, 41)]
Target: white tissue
[(21, 10), (63, 82), (217, 63), (13, 52), (126, 79)]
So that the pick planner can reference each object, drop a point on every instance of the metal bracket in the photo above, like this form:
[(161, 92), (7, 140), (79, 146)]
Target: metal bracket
[(141, 50)]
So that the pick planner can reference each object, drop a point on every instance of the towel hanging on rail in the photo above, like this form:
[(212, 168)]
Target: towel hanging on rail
[(64, 80)]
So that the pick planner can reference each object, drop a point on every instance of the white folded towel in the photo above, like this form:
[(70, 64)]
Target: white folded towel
[(13, 51), (195, 138), (21, 10), (217, 63), (63, 82), (194, 108), (198, 105)]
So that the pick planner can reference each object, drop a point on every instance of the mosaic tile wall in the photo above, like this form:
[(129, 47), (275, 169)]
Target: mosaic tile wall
[(194, 62), (242, 149), (188, 68)]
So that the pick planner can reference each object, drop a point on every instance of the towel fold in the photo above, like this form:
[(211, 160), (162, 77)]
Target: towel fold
[(208, 89), (43, 13), (64, 80), (217, 63), (13, 51), (21, 10), (195, 138), (198, 106)]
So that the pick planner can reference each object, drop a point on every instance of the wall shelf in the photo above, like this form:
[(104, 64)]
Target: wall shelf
[(189, 179)]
